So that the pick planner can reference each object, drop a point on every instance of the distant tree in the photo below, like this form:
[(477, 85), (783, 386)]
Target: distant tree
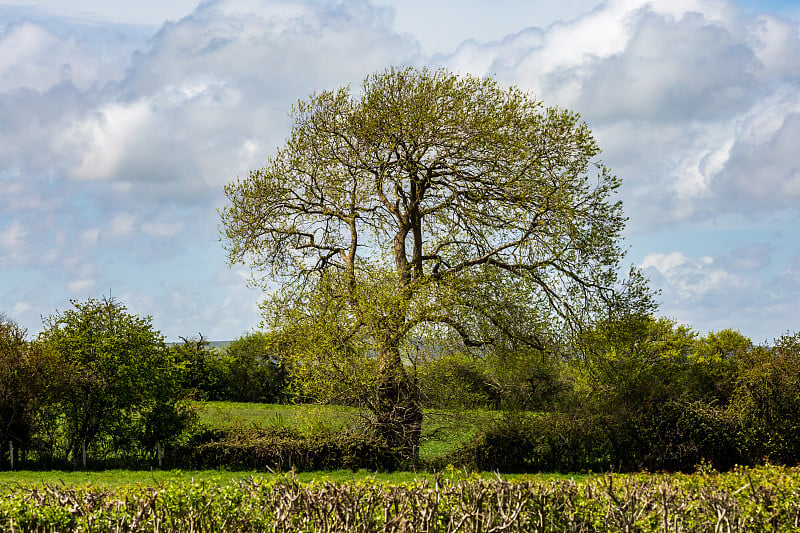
[(204, 374), (428, 204), (636, 360), (717, 362), (767, 403), (123, 380), (256, 369), (14, 385)]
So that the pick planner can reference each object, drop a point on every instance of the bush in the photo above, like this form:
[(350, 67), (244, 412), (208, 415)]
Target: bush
[(554, 442), (118, 378), (675, 436), (456, 381), (256, 370), (679, 436), (766, 402)]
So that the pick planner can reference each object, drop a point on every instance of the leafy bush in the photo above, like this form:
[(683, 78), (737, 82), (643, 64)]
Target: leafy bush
[(256, 370), (456, 381), (766, 402), (204, 372), (552, 442), (29, 378), (674, 437)]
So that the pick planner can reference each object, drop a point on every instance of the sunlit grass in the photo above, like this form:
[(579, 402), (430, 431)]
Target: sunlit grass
[(107, 479), (305, 417), (442, 431)]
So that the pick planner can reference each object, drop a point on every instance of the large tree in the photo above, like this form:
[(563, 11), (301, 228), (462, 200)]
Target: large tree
[(429, 205)]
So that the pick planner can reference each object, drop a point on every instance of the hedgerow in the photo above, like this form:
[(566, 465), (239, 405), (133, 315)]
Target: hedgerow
[(280, 449), (760, 499)]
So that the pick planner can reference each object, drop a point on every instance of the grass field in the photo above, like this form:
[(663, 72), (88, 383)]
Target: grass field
[(120, 478)]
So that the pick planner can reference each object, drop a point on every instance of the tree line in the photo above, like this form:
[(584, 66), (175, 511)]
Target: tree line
[(641, 392)]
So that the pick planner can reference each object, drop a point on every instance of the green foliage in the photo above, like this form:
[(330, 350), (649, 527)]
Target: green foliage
[(204, 372), (456, 382), (766, 401), (651, 394), (744, 500), (257, 369), (122, 386), (29, 377)]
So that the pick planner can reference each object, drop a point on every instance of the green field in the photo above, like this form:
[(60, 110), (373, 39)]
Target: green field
[(746, 499)]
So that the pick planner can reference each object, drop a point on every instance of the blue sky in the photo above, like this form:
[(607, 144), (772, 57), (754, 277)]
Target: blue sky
[(121, 122)]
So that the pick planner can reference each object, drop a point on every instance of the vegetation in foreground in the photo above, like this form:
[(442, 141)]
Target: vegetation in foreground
[(760, 499)]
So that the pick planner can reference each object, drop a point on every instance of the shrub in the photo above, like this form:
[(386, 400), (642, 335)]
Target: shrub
[(766, 402), (674, 436), (118, 376), (456, 381), (256, 370)]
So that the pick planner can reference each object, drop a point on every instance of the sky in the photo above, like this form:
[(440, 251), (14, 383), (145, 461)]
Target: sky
[(121, 122)]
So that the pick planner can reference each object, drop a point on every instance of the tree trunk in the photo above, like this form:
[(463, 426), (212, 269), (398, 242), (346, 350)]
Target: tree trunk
[(397, 406)]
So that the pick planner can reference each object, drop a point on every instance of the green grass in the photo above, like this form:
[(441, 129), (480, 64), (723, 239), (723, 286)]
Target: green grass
[(307, 418), (122, 478), (116, 477)]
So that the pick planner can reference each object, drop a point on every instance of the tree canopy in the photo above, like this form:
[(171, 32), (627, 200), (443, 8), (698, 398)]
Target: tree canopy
[(429, 205)]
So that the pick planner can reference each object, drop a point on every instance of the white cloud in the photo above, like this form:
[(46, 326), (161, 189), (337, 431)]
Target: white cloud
[(20, 308), (692, 101), (81, 286), (104, 139), (38, 58), (746, 288), (122, 225), (108, 156), (690, 279), (14, 243)]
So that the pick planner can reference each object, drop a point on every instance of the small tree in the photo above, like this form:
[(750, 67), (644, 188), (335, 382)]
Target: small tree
[(429, 204), (204, 371), (256, 369), (121, 375)]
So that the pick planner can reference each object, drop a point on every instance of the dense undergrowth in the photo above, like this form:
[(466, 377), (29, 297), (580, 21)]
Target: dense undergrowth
[(744, 499)]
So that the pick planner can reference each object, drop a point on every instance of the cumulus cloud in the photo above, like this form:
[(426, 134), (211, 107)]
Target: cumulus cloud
[(116, 142), (694, 102), (82, 287), (13, 243)]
